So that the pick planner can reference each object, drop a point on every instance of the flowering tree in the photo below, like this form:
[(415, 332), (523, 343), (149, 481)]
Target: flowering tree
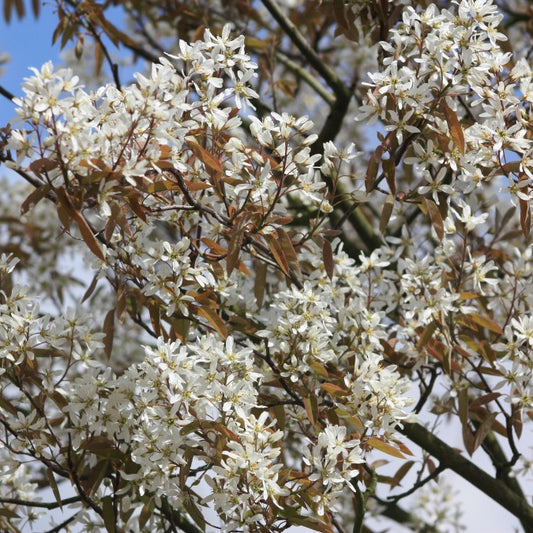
[(224, 305)]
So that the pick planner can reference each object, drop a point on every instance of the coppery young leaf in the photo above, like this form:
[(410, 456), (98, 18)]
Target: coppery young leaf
[(327, 257), (260, 282), (435, 216), (277, 253), (34, 198), (525, 216), (456, 130), (215, 320), (383, 446), (109, 332), (234, 248), (386, 212), (373, 167), (209, 160)]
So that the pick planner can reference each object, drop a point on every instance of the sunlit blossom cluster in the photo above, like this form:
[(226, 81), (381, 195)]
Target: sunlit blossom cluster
[(440, 65), (273, 362)]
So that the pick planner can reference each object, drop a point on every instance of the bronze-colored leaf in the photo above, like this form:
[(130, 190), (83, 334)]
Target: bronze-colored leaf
[(234, 248), (108, 514), (260, 282), (389, 169), (53, 486), (401, 473), (98, 58), (334, 390), (427, 334), (277, 253), (525, 216), (109, 332), (373, 167), (435, 216), (388, 208), (456, 130), (209, 160), (88, 236), (90, 288), (192, 509), (483, 430), (327, 257), (288, 249), (146, 512), (121, 308), (311, 408), (42, 165), (34, 198), (212, 317), (486, 322), (383, 446), (486, 398)]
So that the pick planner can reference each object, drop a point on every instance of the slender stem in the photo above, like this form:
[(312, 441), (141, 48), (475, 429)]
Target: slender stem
[(4, 92), (418, 484), (43, 505), (61, 526)]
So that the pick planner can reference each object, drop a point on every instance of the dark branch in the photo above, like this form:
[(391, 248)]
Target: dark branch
[(6, 93), (451, 459)]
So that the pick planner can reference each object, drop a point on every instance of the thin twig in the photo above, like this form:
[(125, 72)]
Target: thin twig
[(43, 505), (4, 92), (62, 525), (418, 484)]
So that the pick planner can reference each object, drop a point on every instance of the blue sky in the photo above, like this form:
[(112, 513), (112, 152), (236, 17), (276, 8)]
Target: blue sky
[(29, 44)]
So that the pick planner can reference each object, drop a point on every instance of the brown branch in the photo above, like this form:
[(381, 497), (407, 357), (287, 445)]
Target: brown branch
[(417, 485), (305, 48), (501, 463), (43, 505), (496, 489)]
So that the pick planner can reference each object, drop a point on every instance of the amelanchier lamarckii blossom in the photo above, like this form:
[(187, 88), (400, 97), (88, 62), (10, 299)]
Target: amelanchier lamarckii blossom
[(244, 361)]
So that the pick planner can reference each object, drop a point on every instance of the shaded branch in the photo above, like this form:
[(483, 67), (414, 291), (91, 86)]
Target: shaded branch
[(61, 526), (418, 484), (496, 489), (306, 76), (500, 461), (305, 48)]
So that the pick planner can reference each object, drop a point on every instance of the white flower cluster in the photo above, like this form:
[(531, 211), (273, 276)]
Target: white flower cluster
[(437, 505), (276, 420), (188, 409), (332, 461), (124, 129), (439, 64), (335, 322)]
